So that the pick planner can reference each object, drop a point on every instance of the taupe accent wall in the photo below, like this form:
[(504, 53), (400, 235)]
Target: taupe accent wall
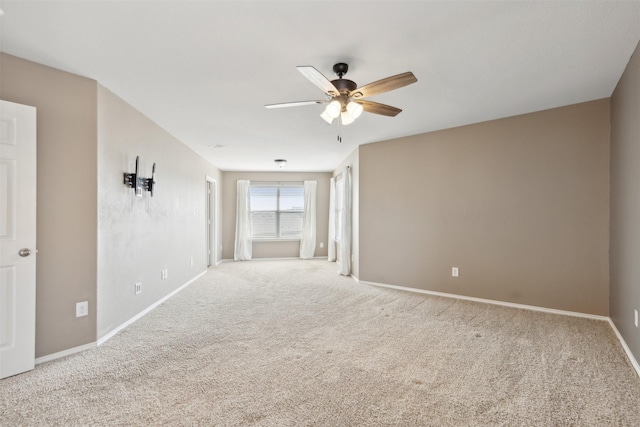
[(66, 197), (94, 239), (625, 204), (274, 249), (138, 237), (520, 205)]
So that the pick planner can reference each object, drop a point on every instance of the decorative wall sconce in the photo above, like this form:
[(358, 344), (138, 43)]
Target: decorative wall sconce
[(139, 184)]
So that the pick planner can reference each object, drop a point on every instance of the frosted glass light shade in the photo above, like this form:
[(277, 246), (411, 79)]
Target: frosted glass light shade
[(354, 109), (346, 118), (333, 109), (326, 117)]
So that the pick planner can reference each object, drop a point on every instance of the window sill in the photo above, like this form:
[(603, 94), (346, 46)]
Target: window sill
[(274, 240)]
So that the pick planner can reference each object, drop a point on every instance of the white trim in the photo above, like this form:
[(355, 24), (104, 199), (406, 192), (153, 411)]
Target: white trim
[(290, 258), (490, 301), (214, 226), (627, 350), (147, 310), (274, 240), (64, 353)]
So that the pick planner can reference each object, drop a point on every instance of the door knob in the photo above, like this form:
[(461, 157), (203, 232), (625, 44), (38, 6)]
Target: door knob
[(24, 252)]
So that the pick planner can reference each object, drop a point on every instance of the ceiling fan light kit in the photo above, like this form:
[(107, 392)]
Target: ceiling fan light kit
[(345, 98), (346, 118), (355, 109), (326, 117), (333, 110)]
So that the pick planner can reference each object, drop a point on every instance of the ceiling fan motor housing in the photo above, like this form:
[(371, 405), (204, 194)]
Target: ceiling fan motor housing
[(344, 85)]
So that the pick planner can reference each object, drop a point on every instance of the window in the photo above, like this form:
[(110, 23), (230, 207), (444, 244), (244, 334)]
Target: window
[(339, 206), (277, 209)]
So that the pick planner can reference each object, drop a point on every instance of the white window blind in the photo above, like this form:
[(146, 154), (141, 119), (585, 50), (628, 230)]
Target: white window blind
[(277, 209), (339, 206)]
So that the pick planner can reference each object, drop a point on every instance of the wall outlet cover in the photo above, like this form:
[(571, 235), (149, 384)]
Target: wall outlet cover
[(454, 271), (82, 308)]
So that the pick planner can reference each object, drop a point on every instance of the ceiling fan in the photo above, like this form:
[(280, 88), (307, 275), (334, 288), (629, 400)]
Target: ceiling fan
[(345, 99)]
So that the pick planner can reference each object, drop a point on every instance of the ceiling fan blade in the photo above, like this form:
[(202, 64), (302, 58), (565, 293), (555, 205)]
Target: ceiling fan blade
[(384, 85), (377, 108), (294, 104), (319, 80)]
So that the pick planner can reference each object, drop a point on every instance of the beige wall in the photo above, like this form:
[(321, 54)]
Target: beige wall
[(66, 198), (519, 205), (139, 237), (274, 249), (625, 204), (95, 240)]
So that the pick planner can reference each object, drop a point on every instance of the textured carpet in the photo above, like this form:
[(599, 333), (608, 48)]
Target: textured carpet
[(292, 343)]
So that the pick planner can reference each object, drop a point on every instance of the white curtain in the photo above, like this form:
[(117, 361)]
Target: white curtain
[(308, 239), (331, 243), (344, 259), (243, 222)]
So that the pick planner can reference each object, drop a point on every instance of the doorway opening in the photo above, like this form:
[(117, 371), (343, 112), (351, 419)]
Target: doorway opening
[(211, 222)]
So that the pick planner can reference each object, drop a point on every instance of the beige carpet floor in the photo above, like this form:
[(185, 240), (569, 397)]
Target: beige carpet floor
[(292, 343)]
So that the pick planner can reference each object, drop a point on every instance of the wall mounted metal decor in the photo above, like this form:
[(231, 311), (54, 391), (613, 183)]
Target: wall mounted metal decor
[(139, 184)]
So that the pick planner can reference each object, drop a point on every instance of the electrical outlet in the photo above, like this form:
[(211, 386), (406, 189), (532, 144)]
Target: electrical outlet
[(82, 308), (138, 288), (321, 245), (636, 317), (164, 274), (454, 271), (191, 261)]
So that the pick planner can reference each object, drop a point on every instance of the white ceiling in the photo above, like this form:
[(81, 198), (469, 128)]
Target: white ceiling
[(203, 70)]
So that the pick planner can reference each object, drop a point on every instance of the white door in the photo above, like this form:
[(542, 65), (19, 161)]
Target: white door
[(17, 238)]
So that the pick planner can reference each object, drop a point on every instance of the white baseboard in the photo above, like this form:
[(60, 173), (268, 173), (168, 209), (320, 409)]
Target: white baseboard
[(64, 353), (291, 258), (111, 334), (490, 301), (627, 350)]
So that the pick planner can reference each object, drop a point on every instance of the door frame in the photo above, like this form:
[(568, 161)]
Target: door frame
[(211, 220), (18, 260)]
